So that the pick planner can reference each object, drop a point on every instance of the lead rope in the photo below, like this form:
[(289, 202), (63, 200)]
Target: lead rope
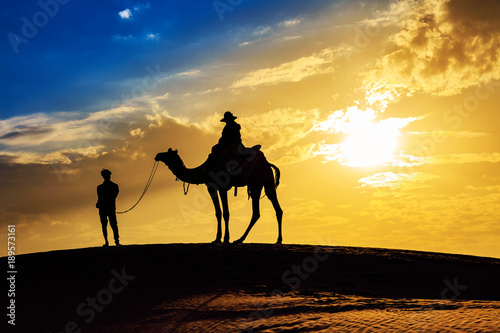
[(150, 180)]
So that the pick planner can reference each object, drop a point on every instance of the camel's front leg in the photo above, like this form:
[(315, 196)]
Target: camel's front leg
[(225, 213), (218, 214)]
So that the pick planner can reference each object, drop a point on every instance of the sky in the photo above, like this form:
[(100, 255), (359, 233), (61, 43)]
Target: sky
[(381, 115)]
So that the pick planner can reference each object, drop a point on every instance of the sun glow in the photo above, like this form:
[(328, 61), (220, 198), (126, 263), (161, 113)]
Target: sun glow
[(369, 145), (368, 142)]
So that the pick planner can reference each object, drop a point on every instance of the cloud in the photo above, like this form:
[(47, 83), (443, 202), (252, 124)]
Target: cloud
[(191, 72), (443, 47), (290, 23), (397, 180), (296, 153), (291, 37), (64, 137), (156, 75), (125, 14), (64, 156), (21, 131), (346, 121), (209, 91), (452, 134), (465, 158), (54, 223), (260, 31), (491, 188), (15, 123), (462, 158), (293, 71), (279, 128), (163, 97), (269, 33), (140, 6), (152, 36), (122, 37), (137, 132)]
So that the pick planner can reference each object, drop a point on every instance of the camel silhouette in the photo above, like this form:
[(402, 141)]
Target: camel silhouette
[(219, 182)]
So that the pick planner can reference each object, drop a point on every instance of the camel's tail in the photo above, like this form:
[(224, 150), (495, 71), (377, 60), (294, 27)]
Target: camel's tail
[(277, 176)]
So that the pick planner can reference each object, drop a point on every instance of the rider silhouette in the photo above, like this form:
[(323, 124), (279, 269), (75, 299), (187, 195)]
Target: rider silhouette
[(106, 196), (230, 139), (231, 132)]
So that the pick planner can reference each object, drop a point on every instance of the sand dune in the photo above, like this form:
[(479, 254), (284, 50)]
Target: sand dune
[(323, 312), (255, 287)]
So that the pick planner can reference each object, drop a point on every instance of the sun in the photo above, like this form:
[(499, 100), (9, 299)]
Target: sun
[(369, 145), (369, 141)]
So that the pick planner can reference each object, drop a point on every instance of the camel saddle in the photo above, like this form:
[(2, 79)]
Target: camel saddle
[(232, 167)]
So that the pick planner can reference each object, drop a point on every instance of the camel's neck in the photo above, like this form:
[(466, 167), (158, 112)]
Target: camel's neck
[(191, 176)]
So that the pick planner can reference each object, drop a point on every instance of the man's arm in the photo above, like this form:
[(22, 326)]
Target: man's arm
[(97, 203)]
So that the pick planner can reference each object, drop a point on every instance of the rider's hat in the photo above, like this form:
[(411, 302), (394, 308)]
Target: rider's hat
[(228, 116)]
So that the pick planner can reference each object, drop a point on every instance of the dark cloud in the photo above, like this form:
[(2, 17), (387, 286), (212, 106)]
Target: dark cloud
[(475, 18), (444, 47), (25, 131)]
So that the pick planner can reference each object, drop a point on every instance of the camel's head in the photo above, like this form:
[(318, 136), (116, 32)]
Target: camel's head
[(170, 158)]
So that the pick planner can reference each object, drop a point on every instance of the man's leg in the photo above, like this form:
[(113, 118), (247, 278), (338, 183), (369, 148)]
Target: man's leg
[(114, 225), (104, 223)]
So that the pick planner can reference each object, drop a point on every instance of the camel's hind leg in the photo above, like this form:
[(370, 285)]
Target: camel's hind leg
[(273, 197), (255, 194)]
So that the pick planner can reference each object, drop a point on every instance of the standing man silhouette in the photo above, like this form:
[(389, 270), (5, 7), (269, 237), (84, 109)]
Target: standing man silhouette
[(106, 196)]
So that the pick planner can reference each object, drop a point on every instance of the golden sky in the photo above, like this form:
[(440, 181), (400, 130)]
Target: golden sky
[(382, 117)]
